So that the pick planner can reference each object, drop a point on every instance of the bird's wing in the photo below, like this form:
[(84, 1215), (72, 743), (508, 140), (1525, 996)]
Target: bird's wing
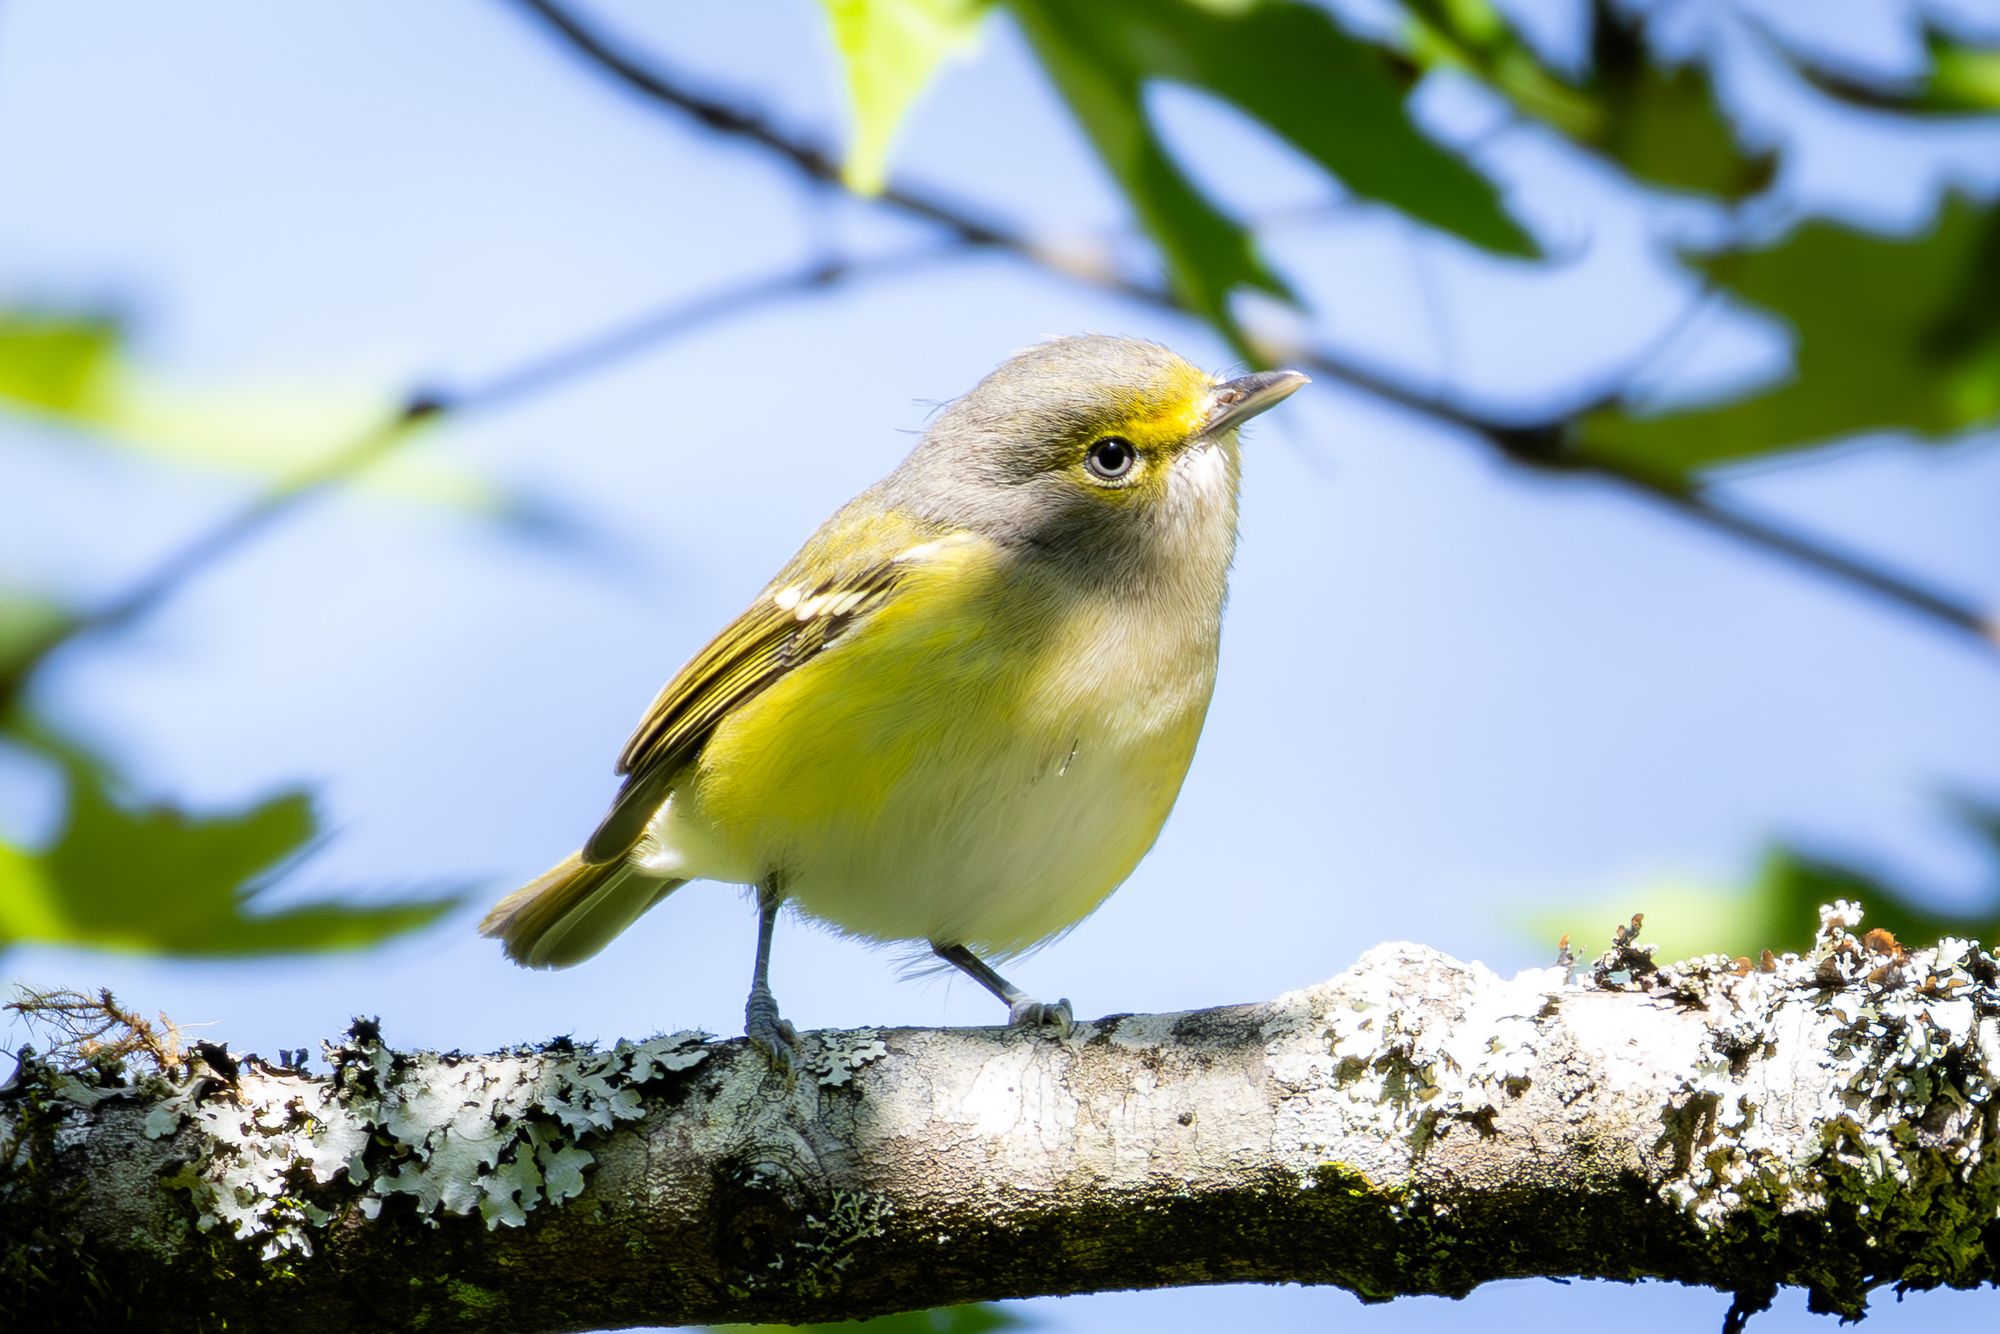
[(804, 611)]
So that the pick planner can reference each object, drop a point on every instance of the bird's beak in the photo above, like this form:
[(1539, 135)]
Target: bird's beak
[(1234, 402)]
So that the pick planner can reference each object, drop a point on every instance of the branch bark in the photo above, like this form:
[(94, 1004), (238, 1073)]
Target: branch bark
[(1415, 1125)]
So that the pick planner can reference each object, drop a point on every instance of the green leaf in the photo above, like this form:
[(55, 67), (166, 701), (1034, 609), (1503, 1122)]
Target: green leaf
[(1794, 884), (890, 49), (1289, 66), (28, 625), (1780, 907), (1682, 919), (1890, 334), (159, 880), (1660, 122), (56, 363), (72, 370), (1961, 79)]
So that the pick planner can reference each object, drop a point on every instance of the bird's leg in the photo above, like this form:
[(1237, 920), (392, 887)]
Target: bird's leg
[(1023, 1010), (761, 1021)]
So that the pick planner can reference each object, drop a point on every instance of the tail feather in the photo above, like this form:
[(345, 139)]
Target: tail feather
[(572, 911)]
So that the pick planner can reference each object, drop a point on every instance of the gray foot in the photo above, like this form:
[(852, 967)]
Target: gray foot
[(1027, 1013), (763, 1025)]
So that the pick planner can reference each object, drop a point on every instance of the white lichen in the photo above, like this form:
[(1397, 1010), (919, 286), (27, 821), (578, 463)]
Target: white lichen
[(498, 1136), (1392, 1053), (1406, 1039), (1897, 1034)]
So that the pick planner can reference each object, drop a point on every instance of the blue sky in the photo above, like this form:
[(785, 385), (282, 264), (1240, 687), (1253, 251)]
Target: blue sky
[(1449, 691)]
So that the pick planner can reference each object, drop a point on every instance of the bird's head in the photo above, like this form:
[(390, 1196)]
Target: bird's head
[(1094, 446)]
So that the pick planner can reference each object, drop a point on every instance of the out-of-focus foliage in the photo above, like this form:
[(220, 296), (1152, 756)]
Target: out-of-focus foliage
[(1962, 78), (28, 625), (161, 880), (1288, 65), (1660, 122), (1889, 334), (1776, 909), (976, 1319), (889, 50), (74, 371), (55, 363)]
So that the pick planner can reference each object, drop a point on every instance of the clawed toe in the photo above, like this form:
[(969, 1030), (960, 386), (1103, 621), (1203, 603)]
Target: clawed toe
[(768, 1030), (1027, 1013)]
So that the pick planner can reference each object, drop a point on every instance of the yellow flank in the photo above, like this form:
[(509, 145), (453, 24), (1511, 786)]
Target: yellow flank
[(957, 769)]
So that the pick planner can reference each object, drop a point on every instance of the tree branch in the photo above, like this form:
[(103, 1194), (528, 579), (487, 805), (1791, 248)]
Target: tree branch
[(1415, 1125), (1541, 441)]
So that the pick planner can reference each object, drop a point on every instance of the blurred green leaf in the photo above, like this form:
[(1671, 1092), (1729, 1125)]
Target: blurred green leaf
[(1794, 884), (1889, 333), (160, 880), (889, 50), (72, 370), (1682, 919), (1288, 65), (975, 1319), (28, 625), (1660, 122), (1961, 79), (55, 363), (1780, 908), (1964, 78)]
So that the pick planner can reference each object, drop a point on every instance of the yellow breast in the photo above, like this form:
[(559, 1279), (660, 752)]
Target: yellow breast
[(980, 763)]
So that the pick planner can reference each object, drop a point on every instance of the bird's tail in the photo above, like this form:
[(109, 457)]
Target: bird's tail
[(572, 911)]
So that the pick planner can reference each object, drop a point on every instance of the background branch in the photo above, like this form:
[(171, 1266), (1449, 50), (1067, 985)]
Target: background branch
[(1543, 441), (537, 374)]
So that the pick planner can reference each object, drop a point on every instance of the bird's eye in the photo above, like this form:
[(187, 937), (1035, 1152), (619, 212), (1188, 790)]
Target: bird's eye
[(1110, 458)]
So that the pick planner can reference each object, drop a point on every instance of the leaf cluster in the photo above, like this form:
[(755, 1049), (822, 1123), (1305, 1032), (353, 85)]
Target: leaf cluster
[(1888, 333)]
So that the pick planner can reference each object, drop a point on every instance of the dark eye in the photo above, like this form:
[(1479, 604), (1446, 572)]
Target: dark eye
[(1110, 458)]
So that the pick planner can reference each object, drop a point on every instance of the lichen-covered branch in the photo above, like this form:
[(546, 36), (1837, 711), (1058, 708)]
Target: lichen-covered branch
[(1416, 1124)]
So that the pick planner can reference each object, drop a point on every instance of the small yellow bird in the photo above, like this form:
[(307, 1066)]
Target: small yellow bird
[(961, 713)]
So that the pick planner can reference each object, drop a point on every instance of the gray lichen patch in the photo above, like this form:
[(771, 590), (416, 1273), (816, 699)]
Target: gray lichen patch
[(838, 1054), (848, 1220), (498, 1136)]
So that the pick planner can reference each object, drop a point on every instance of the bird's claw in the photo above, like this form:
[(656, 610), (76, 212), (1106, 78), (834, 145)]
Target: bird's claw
[(1030, 1013), (768, 1030)]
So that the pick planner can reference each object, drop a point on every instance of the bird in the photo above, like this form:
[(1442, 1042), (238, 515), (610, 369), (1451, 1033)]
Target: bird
[(960, 715)]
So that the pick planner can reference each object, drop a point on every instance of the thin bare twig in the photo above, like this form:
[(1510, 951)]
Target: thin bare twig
[(534, 375), (1543, 441), (86, 1029)]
